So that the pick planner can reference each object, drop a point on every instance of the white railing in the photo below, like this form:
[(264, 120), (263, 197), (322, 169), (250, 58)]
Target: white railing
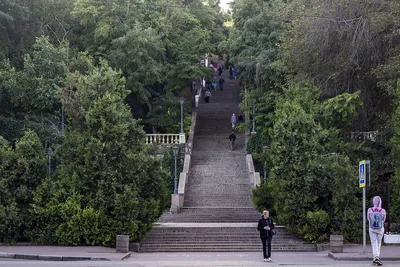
[(162, 139), (362, 136)]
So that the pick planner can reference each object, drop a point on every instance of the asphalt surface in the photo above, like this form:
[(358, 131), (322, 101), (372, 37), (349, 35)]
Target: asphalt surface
[(197, 259)]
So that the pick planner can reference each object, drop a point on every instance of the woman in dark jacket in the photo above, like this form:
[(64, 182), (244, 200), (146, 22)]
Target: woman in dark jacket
[(265, 226)]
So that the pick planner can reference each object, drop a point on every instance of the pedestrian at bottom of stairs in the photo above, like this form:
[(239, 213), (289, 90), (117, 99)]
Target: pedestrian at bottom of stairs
[(376, 218), (266, 227)]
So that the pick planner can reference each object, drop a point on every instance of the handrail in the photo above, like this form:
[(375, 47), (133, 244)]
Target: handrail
[(177, 200), (254, 176)]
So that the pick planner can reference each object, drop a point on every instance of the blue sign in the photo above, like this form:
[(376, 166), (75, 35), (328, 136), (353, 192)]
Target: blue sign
[(362, 177)]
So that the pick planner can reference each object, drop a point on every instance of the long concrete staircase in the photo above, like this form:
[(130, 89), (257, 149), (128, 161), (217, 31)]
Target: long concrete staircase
[(218, 214)]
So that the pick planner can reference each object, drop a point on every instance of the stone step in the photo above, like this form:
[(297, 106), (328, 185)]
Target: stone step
[(202, 202), (207, 219), (238, 248), (202, 220), (222, 189), (223, 178), (256, 239), (223, 211), (218, 199)]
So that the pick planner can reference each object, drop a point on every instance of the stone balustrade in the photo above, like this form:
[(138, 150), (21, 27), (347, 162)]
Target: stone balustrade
[(254, 176), (162, 139), (362, 136)]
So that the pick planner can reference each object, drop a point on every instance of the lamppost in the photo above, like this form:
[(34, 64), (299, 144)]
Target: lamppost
[(182, 134), (265, 148), (50, 153), (181, 101), (254, 117), (175, 150)]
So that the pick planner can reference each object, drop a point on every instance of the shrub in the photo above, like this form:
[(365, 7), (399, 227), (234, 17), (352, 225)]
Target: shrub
[(316, 228)]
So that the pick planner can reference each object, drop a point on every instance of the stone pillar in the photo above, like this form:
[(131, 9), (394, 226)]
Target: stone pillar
[(122, 243), (182, 138), (175, 207), (336, 243)]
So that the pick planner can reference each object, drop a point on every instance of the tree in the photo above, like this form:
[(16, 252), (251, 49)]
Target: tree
[(309, 173), (21, 171), (337, 45), (395, 181), (157, 44), (104, 174)]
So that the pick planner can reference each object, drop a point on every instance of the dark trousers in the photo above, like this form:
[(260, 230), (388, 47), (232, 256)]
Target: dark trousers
[(264, 243)]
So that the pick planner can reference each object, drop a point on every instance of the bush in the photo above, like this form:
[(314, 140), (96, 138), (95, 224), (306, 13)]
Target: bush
[(21, 171), (263, 197), (316, 228)]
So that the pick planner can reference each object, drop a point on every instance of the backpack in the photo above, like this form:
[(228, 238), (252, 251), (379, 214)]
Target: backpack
[(376, 219)]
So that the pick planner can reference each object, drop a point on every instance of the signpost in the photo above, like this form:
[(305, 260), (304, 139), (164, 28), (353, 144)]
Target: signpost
[(364, 180)]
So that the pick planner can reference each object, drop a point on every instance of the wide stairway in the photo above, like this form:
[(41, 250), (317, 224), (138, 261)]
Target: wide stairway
[(218, 214)]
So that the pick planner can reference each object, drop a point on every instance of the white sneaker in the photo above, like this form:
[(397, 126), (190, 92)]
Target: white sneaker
[(269, 259), (265, 259)]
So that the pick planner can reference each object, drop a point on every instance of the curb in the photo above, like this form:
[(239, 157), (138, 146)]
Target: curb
[(51, 257), (127, 255), (343, 257)]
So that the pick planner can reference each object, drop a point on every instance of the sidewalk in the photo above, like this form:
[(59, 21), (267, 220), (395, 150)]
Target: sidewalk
[(55, 253), (353, 252), (351, 257)]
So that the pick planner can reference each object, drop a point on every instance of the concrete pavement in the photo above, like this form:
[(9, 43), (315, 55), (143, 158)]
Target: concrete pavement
[(197, 259), (354, 252), (58, 253)]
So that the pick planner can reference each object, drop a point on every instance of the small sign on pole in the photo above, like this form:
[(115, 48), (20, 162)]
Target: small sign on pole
[(364, 173), (361, 168)]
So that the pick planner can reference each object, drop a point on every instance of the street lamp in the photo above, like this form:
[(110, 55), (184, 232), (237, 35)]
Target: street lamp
[(182, 138), (50, 153), (175, 150), (265, 148), (181, 101), (254, 116)]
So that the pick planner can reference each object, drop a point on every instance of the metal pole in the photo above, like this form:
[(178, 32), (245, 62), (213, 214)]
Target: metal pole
[(62, 120), (181, 117), (175, 180), (364, 223), (254, 118), (265, 176), (49, 152)]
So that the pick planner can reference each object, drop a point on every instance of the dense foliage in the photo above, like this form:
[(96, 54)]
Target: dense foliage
[(81, 82), (319, 78)]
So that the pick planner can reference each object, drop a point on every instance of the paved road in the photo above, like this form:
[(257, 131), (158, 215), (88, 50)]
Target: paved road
[(173, 264), (197, 259)]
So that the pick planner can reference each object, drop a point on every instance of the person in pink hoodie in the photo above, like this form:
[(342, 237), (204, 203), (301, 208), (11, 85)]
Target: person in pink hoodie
[(376, 218)]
